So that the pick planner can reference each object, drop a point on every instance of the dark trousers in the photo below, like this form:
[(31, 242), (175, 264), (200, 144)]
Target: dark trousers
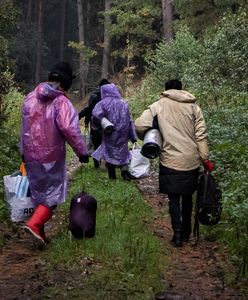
[(96, 137), (181, 217), (112, 173)]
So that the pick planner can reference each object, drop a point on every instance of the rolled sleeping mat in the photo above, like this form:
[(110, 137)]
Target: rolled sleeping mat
[(107, 126), (152, 144)]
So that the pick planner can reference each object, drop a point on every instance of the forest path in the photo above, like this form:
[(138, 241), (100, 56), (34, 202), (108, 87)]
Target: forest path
[(194, 272), (191, 273)]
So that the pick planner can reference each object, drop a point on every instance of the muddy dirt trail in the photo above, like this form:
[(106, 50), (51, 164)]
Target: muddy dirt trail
[(193, 272)]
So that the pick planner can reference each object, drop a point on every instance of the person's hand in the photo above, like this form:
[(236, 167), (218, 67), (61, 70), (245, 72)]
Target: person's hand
[(208, 165), (84, 159)]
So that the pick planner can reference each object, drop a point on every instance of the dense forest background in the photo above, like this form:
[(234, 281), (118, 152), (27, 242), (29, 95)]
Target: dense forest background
[(100, 38), (139, 44)]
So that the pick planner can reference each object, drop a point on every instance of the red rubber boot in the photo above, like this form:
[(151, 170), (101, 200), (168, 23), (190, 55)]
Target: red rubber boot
[(36, 224)]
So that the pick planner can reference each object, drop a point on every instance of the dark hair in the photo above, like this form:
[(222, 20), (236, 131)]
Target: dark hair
[(62, 73), (173, 84), (103, 82)]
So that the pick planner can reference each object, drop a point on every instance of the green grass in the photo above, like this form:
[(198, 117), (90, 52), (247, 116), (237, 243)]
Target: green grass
[(124, 259)]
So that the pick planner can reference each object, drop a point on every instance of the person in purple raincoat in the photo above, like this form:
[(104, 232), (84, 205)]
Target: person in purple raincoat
[(49, 120), (114, 147)]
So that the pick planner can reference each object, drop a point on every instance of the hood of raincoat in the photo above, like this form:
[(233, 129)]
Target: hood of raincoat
[(47, 91), (110, 90), (114, 147), (179, 95)]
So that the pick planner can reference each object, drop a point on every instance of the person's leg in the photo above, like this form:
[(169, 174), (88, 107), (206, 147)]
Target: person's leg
[(111, 171), (96, 163), (35, 224), (176, 219), (186, 216), (96, 138), (125, 173)]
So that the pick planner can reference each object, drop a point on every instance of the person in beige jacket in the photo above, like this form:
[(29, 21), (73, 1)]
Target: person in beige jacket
[(183, 130)]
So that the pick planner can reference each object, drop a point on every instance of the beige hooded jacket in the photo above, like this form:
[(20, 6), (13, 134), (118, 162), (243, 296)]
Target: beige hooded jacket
[(182, 127)]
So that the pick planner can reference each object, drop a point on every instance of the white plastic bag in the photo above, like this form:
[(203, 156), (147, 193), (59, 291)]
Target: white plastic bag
[(139, 165), (16, 189)]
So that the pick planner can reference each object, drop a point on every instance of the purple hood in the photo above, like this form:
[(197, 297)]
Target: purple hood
[(46, 92), (110, 90), (114, 147)]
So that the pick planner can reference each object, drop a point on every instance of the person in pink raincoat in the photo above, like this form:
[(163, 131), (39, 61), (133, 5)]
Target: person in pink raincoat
[(49, 120), (114, 147)]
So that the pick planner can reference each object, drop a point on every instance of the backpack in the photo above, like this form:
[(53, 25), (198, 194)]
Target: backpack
[(82, 219), (208, 202)]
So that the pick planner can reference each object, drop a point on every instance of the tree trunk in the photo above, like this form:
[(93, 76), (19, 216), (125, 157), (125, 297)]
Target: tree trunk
[(106, 43), (39, 42), (29, 12), (62, 30), (88, 5), (167, 19), (81, 36)]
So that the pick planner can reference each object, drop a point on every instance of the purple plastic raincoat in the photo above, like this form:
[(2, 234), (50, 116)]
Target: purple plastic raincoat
[(48, 121), (114, 147)]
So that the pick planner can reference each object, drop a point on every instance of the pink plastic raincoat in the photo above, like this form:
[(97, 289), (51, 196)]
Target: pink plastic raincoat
[(48, 121)]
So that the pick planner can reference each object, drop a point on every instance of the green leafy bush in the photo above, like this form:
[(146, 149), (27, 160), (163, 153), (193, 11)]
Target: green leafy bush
[(9, 136), (223, 65), (170, 60), (141, 97), (228, 135), (213, 67), (8, 19)]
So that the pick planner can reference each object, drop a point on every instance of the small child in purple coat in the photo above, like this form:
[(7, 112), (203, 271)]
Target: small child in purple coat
[(114, 148)]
